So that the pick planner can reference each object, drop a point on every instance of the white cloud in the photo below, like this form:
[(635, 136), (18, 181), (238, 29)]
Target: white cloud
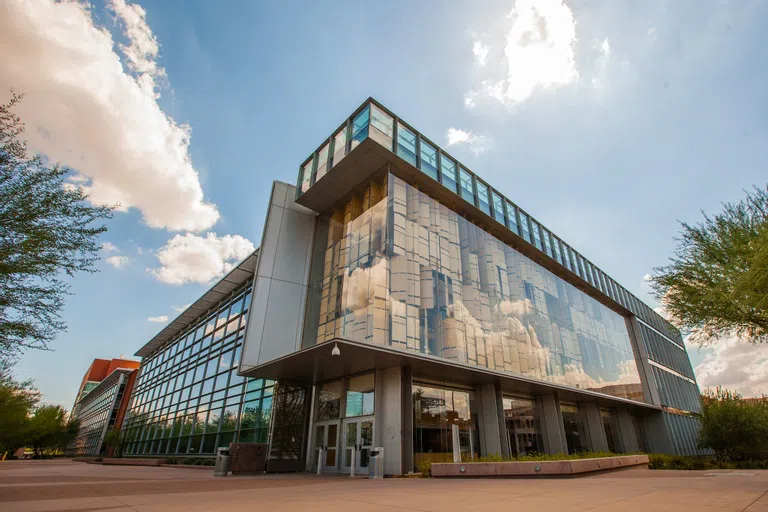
[(158, 319), (647, 278), (605, 47), (86, 110), (736, 365), (118, 261), (539, 52), (109, 247), (476, 143), (180, 309), (480, 51), (195, 259)]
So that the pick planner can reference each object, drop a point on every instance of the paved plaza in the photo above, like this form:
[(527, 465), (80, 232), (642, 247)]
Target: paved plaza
[(66, 485)]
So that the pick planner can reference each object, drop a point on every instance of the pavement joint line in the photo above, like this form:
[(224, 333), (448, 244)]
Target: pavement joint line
[(756, 500)]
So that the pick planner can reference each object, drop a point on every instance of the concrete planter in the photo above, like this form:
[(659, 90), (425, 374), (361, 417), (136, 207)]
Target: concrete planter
[(536, 468), (132, 462)]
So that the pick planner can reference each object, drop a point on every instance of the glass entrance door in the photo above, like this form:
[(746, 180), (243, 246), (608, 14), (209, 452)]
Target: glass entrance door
[(327, 438), (358, 434)]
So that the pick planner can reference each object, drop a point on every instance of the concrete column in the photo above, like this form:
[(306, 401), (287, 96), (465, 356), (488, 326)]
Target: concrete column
[(406, 386), (627, 437), (489, 421), (505, 449), (594, 424), (388, 421), (552, 424)]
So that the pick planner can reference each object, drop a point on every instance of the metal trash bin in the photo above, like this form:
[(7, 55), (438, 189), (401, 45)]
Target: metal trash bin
[(222, 462), (376, 463)]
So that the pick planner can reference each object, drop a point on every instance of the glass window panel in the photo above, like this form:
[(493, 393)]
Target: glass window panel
[(498, 207), (428, 160), (382, 127), (322, 161), (306, 175), (556, 250), (482, 197), (524, 229), (448, 172), (328, 405), (536, 234), (512, 218), (406, 144), (339, 145), (467, 185), (359, 397), (360, 126), (547, 244)]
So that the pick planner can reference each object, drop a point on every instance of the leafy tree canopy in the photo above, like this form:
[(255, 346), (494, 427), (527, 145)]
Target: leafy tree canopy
[(734, 428), (17, 401), (50, 430), (716, 284), (48, 231)]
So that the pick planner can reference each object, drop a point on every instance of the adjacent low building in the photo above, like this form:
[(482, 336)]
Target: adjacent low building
[(397, 300), (101, 404)]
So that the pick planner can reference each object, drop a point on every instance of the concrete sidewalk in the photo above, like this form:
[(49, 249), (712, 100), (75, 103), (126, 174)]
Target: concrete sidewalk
[(66, 485)]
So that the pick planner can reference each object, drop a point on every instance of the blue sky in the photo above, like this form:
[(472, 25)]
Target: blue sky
[(608, 121)]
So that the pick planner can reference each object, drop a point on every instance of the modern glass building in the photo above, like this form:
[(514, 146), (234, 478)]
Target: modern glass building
[(397, 300), (189, 398)]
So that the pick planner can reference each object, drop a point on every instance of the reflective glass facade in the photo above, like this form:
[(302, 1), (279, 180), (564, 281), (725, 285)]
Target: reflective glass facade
[(189, 399), (401, 269)]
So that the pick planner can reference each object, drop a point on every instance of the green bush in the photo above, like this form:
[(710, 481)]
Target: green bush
[(692, 462), (736, 430)]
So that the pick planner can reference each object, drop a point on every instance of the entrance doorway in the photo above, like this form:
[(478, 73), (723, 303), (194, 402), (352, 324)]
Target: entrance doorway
[(358, 434), (327, 438)]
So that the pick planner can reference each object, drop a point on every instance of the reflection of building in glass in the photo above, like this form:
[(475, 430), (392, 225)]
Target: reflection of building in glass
[(399, 301)]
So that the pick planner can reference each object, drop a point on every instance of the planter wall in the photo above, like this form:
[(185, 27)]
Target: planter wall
[(536, 468)]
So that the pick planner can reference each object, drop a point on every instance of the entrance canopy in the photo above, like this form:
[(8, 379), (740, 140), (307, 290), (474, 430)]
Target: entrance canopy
[(317, 364)]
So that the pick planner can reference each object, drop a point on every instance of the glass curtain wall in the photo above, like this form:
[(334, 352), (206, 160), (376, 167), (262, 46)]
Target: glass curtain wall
[(188, 398), (435, 410), (401, 269), (611, 427)]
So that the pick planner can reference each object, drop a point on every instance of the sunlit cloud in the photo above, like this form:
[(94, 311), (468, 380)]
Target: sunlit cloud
[(118, 261), (476, 143), (109, 247), (480, 51), (158, 319), (196, 259), (539, 52), (92, 105)]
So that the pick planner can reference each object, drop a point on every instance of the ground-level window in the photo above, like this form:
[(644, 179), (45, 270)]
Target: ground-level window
[(523, 422), (573, 423), (435, 411)]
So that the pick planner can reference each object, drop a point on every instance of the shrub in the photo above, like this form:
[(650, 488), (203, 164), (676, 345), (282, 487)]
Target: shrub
[(736, 430)]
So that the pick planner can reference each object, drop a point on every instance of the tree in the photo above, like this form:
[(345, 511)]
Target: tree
[(50, 430), (17, 401), (113, 442), (735, 429), (716, 284), (48, 231)]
